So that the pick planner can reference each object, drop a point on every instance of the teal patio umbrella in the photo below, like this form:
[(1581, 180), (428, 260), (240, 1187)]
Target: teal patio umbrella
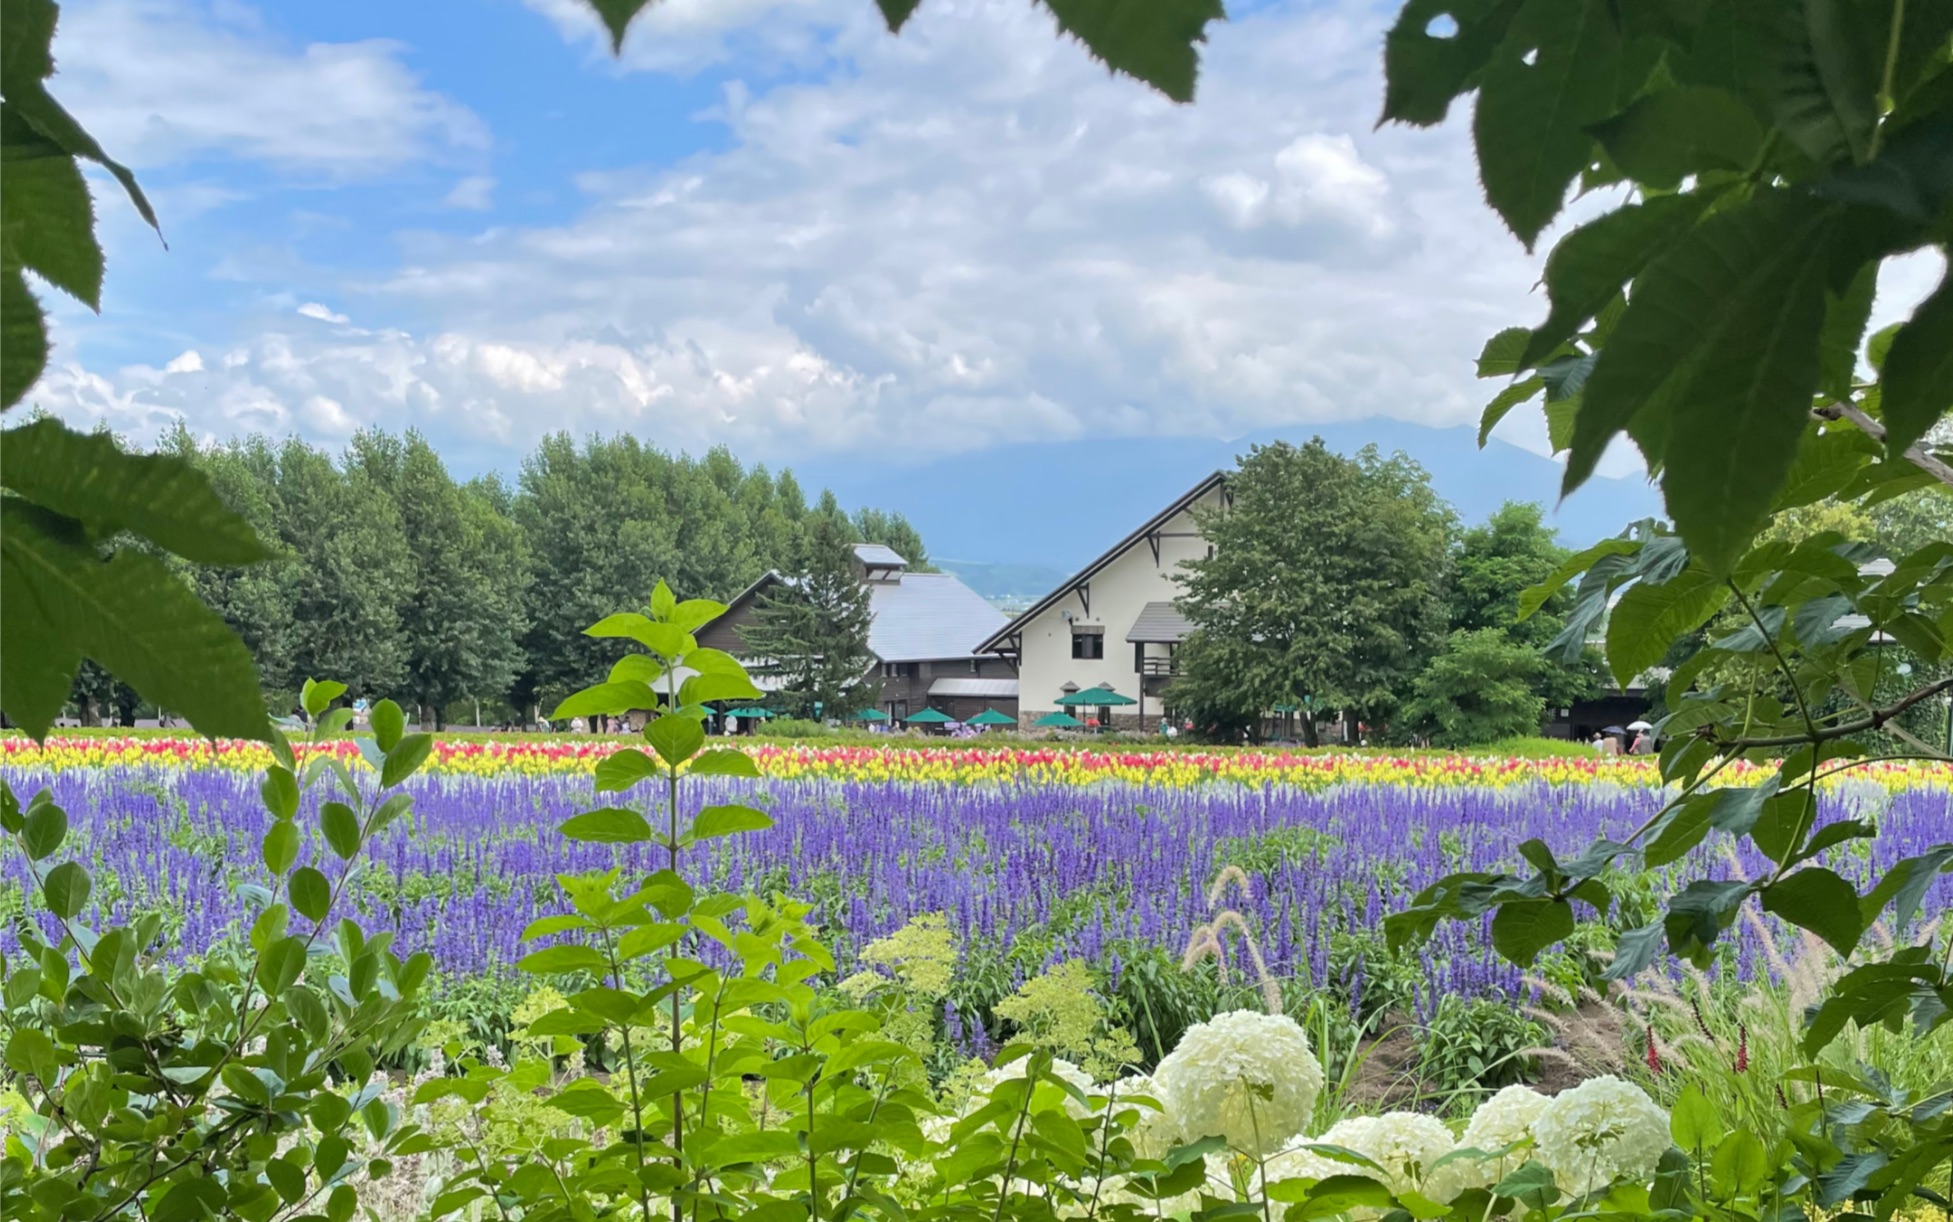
[(871, 715), (991, 717), (928, 717), (1102, 697), (1058, 721), (756, 712)]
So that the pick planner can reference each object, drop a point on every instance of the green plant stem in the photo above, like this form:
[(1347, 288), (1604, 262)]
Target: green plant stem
[(630, 1070), (1016, 1138), (1877, 719), (1783, 664), (1885, 99)]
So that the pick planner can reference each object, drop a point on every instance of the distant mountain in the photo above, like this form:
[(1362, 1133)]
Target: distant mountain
[(1056, 505), (1011, 586)]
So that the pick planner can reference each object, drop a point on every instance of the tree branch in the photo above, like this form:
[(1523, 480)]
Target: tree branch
[(1875, 721), (1916, 453)]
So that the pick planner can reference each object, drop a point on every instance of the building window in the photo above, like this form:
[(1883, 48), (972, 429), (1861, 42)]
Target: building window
[(1089, 646), (899, 670), (976, 666)]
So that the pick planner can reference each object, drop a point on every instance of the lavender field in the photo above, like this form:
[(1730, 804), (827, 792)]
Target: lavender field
[(1029, 875)]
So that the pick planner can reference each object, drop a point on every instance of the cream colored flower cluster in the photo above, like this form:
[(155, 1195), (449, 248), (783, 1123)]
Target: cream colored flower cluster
[(1245, 1076)]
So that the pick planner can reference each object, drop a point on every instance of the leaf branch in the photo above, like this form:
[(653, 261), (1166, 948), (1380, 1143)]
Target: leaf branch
[(1876, 720), (1916, 453)]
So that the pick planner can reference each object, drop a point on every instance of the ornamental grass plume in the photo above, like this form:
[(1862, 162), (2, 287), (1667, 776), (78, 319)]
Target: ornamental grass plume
[(1206, 941), (1603, 1131), (1248, 1078)]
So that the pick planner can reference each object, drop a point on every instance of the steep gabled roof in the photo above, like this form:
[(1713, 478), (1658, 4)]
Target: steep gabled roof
[(926, 616), (1112, 553)]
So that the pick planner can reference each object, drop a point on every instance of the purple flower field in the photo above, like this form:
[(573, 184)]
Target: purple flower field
[(1029, 874)]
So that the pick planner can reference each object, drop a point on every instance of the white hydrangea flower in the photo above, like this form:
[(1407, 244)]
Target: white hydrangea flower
[(1157, 1131), (1060, 1068), (1601, 1132), (1503, 1120), (1244, 1076), (1405, 1145)]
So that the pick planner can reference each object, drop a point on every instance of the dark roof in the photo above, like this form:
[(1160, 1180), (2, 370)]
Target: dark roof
[(1159, 624), (1112, 553)]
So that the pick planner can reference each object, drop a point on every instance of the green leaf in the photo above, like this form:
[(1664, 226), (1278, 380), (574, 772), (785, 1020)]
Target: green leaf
[(1845, 317), (1682, 316), (608, 825), (725, 761), (1500, 355), (1904, 885), (1828, 459), (1740, 1164), (23, 336), (1589, 266), (318, 694), (157, 496), (341, 827), (1530, 126), (1693, 1122), (638, 667), (554, 960), (388, 722), (693, 614), (617, 16), (1152, 40), (1818, 900), (1523, 928), (1425, 70), (667, 640), (624, 768), (311, 893), (1917, 388), (49, 224), (31, 1052), (280, 847), (405, 758), (1671, 134), (1645, 623), (1502, 404), (714, 821), (67, 886), (703, 689), (1634, 950), (281, 964), (607, 699), (1532, 598), (676, 738), (1827, 81), (280, 792), (43, 828), (58, 599)]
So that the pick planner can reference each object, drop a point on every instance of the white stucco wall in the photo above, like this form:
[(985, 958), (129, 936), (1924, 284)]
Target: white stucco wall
[(1119, 591)]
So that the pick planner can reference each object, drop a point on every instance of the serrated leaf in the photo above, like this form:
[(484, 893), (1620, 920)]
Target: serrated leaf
[(1670, 134), (1500, 355), (131, 614), (1150, 40), (676, 738), (1503, 403), (1825, 97), (311, 893), (624, 768), (1828, 459), (1917, 386), (728, 820), (1735, 260), (23, 336), (1845, 318), (1646, 621), (1818, 900), (49, 224), (1523, 928), (608, 825), (1590, 266), (1530, 125), (1424, 70)]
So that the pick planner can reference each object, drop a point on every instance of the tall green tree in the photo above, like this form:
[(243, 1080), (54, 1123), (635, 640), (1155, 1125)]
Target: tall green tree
[(893, 530), (1481, 687), (812, 629), (1492, 566), (1324, 589)]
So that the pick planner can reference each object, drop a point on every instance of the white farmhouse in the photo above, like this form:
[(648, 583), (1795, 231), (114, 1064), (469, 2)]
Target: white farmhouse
[(1113, 625)]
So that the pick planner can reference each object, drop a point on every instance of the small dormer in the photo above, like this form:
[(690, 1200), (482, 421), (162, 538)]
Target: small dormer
[(879, 562)]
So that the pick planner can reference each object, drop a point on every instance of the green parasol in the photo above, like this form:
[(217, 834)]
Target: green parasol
[(928, 717), (991, 717), (1096, 696), (1058, 721), (871, 715), (755, 711)]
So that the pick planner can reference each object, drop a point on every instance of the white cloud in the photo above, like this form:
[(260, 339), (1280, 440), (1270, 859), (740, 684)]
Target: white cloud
[(313, 309), (161, 81), (475, 193), (188, 362), (966, 235), (684, 36)]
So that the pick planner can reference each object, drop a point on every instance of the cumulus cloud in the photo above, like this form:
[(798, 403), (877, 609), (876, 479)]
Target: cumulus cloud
[(162, 81), (967, 235)]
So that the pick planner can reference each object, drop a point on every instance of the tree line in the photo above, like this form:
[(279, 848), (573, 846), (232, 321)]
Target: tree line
[(402, 581)]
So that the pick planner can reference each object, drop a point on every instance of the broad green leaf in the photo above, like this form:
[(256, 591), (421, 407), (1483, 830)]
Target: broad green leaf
[(1560, 417), (1845, 317), (1828, 65), (693, 614), (1503, 403), (1646, 621), (58, 598), (1671, 134), (318, 694), (1693, 1122), (663, 601), (1533, 598), (606, 699), (23, 336), (1917, 388), (161, 497), (676, 738), (1740, 1163), (554, 960), (704, 689), (1868, 995), (608, 825), (279, 848), (1634, 950), (1425, 68), (389, 722), (1828, 458), (624, 768), (43, 829), (280, 792), (1698, 915), (1530, 125), (1589, 266), (1151, 40), (49, 224), (1500, 355), (637, 667), (1818, 900), (724, 761), (1680, 315), (1523, 928), (728, 820), (311, 893), (667, 640), (67, 886), (1678, 831), (340, 824), (1904, 885), (405, 758)]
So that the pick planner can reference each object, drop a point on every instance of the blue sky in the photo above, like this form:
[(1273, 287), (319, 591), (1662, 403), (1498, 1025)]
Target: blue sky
[(771, 225)]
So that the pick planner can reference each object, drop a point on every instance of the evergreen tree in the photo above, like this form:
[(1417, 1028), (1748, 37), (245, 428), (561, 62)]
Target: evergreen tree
[(812, 629), (893, 530)]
